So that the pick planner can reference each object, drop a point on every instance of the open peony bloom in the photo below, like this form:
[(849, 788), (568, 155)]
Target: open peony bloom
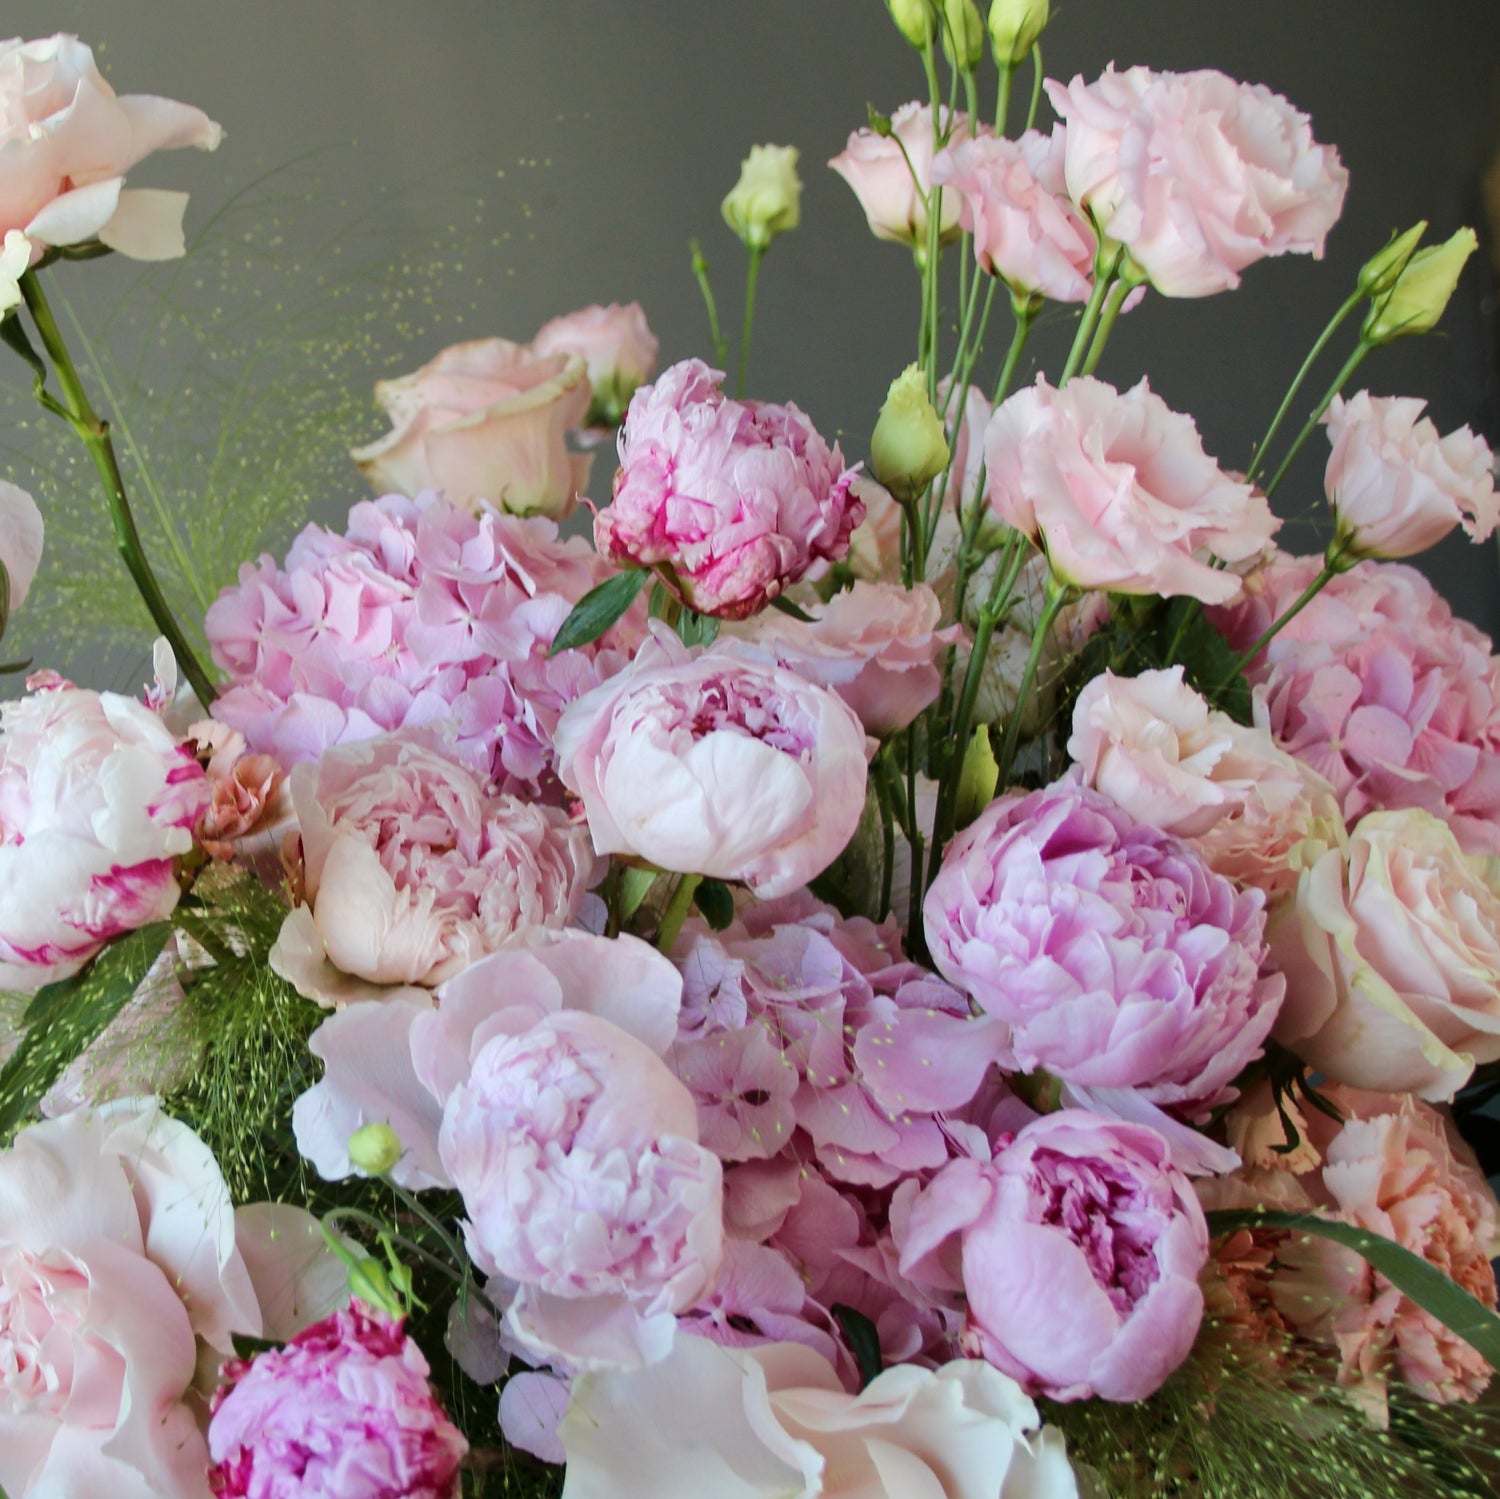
[(485, 420), (344, 1409), (735, 499), (96, 800), (1078, 1249), (717, 764), (21, 533), (1396, 486), (117, 1253), (1196, 175), (774, 1421), (1118, 492), (67, 140)]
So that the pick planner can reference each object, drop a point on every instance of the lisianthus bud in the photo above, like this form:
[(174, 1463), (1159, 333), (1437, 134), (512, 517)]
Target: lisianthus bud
[(1421, 292), (766, 201), (374, 1149), (913, 19), (1015, 26), (1383, 269), (963, 33), (908, 449)]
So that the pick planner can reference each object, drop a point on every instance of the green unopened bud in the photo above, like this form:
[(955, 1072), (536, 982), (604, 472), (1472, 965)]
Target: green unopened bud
[(374, 1149), (1383, 269), (908, 449), (913, 19), (1416, 302), (963, 34), (1015, 27), (767, 200)]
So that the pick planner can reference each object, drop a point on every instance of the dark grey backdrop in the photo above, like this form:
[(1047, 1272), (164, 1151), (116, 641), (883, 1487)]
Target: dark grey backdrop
[(575, 145)]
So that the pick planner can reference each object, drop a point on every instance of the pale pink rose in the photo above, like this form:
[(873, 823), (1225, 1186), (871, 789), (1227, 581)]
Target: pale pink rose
[(1392, 956), (21, 533), (412, 870), (117, 1253), (67, 140), (877, 645), (732, 500), (771, 1421), (1397, 1168), (716, 765), (618, 347), (1079, 1249), (1396, 486), (1119, 493), (485, 420), (1152, 744), (890, 191), (1196, 175), (96, 800)]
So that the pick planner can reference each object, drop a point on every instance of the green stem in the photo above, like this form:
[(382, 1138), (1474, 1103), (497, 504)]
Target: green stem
[(752, 277), (1105, 271), (1057, 596), (94, 434), (414, 1205), (887, 831), (1116, 300), (915, 941), (370, 1221), (1036, 84), (700, 274), (1351, 364), (1002, 102), (1306, 597), (1258, 456), (676, 913)]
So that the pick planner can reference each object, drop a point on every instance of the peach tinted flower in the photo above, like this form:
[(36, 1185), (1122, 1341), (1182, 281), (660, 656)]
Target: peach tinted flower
[(618, 347), (242, 787), (20, 540)]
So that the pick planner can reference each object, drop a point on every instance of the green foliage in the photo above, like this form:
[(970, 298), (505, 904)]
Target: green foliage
[(863, 1340), (715, 901), (598, 609)]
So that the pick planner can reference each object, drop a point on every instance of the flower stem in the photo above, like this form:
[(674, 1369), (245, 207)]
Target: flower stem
[(1351, 364), (1313, 589), (1036, 84), (1105, 271), (676, 913), (94, 434), (1002, 102), (700, 274), (1057, 596), (752, 277), (1115, 301)]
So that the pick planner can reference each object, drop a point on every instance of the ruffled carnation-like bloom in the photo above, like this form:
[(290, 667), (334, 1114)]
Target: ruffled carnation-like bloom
[(242, 788), (1380, 689), (775, 1420), (717, 764), (736, 499), (1196, 175), (485, 420), (117, 1253), (1119, 493), (411, 870), (68, 139), (1078, 1249), (1396, 486), (421, 614), (616, 344), (96, 800), (21, 532), (1114, 954), (344, 1409)]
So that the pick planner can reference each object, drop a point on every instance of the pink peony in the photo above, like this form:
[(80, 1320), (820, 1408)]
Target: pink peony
[(716, 764), (1396, 487), (1196, 175), (618, 347), (21, 533), (484, 421), (1078, 1249), (68, 140), (892, 175), (1112, 952), (1119, 493), (734, 500), (96, 800), (344, 1409), (1381, 690), (411, 870)]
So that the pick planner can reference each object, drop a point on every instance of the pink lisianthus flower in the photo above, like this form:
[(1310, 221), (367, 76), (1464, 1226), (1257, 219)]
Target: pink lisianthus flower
[(97, 798), (1196, 175), (21, 533), (716, 764), (243, 788), (1078, 1248), (1118, 492), (1114, 955), (616, 344), (735, 500), (345, 1408), (1396, 486)]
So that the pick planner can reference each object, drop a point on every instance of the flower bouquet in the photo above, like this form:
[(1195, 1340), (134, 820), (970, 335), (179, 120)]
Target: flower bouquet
[(957, 973)]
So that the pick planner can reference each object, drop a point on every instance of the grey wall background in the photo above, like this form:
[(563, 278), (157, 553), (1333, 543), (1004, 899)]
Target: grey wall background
[(553, 153)]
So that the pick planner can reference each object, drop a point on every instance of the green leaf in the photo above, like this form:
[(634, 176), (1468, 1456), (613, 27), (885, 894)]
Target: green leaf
[(716, 901), (788, 607), (697, 629), (1462, 1314), (4, 598), (864, 1342), (598, 609), (635, 886)]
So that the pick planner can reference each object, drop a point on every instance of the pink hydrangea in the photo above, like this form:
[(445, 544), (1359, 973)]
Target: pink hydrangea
[(1381, 690), (343, 1411), (733, 500), (1115, 956), (421, 614)]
